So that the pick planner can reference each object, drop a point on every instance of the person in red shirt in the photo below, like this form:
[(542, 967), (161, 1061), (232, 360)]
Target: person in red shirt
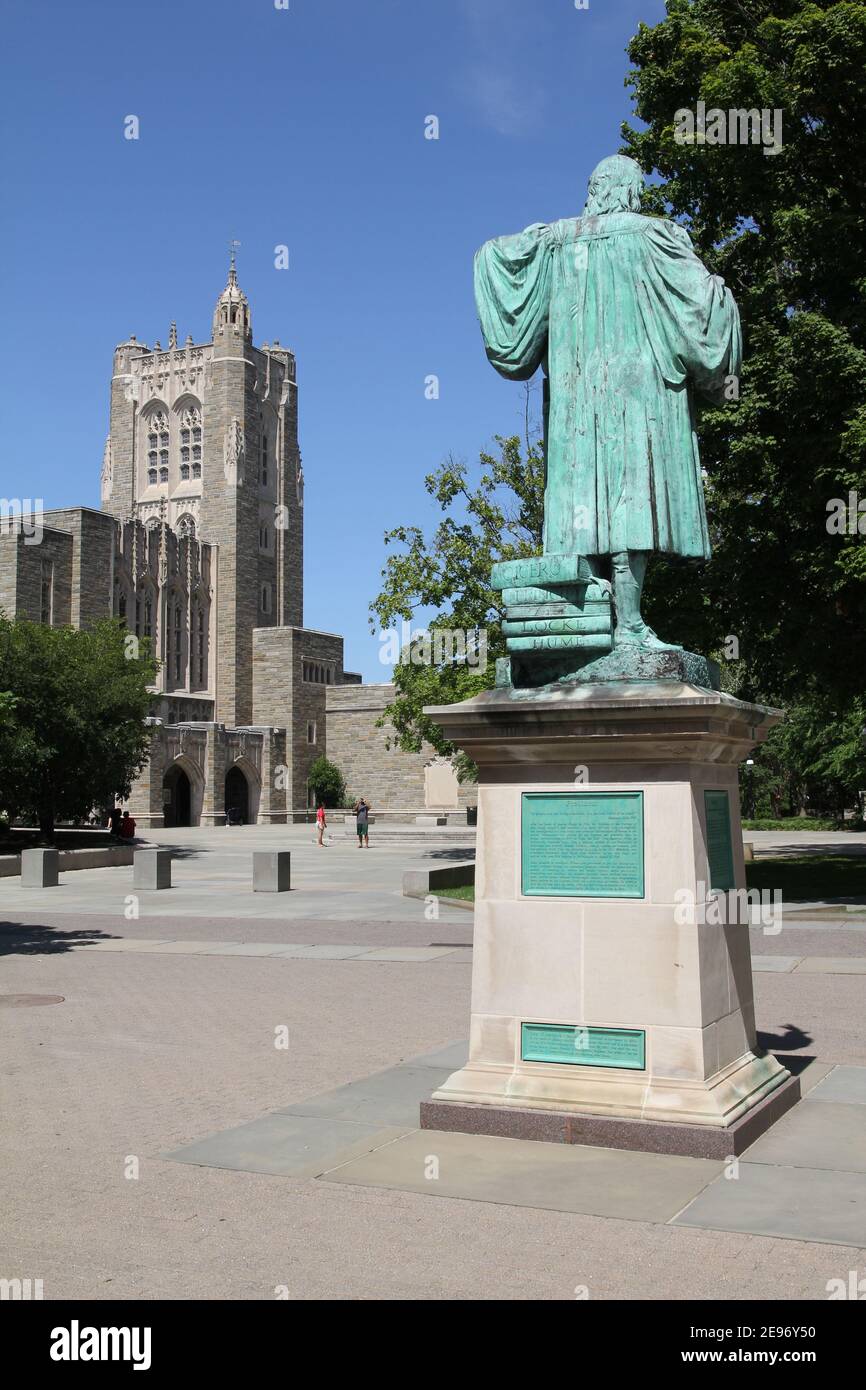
[(321, 824), (127, 827)]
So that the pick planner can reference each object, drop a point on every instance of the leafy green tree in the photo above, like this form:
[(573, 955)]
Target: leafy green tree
[(788, 233), (72, 732), (496, 515), (326, 783), (813, 763)]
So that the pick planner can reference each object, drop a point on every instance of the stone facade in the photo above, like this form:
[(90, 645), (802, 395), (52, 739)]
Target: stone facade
[(199, 549), (204, 442), (386, 776), (293, 670), (36, 579)]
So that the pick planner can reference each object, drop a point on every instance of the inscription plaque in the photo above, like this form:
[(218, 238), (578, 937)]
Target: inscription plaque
[(720, 850), (582, 844), (583, 1047)]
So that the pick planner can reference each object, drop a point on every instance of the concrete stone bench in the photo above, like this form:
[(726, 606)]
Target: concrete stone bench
[(151, 869), (103, 857), (40, 868), (272, 871), (431, 820)]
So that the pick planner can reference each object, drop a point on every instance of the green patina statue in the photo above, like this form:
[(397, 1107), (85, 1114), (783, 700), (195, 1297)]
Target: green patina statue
[(630, 327)]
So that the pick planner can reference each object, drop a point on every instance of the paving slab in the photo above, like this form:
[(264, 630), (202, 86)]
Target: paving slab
[(409, 953), (246, 948), (794, 1203), (325, 951), (812, 1075), (285, 1145), (185, 948), (388, 1098), (123, 943), (450, 1058), (517, 1173), (777, 964), (830, 1136), (832, 965), (845, 1084)]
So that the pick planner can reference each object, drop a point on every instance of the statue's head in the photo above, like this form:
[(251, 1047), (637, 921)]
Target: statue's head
[(615, 185)]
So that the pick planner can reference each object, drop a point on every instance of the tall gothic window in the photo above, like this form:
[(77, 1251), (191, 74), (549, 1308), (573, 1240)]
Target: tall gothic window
[(178, 643), (190, 443), (157, 448), (174, 655), (200, 647)]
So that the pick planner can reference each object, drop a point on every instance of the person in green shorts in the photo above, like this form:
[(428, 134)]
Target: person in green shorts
[(362, 823)]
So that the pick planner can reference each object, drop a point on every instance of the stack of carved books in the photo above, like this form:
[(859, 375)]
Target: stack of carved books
[(557, 617)]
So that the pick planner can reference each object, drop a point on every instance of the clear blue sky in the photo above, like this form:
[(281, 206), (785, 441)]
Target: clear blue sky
[(302, 127)]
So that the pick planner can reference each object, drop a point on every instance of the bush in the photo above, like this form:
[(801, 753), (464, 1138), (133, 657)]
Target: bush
[(326, 783)]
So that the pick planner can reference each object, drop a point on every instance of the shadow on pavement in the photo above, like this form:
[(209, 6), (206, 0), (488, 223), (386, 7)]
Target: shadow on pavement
[(792, 1040), (16, 939)]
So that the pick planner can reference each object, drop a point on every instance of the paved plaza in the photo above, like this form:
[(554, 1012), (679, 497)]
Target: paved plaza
[(218, 1098)]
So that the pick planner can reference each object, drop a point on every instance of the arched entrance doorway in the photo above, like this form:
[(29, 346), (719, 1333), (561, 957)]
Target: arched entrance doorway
[(237, 801), (177, 797)]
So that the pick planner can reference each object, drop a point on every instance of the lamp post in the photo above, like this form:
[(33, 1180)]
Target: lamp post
[(750, 787)]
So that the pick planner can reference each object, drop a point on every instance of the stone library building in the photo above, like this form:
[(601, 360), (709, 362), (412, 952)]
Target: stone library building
[(199, 546)]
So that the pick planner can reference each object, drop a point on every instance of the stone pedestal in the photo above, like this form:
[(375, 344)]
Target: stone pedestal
[(272, 871), (151, 869), (612, 971), (40, 868)]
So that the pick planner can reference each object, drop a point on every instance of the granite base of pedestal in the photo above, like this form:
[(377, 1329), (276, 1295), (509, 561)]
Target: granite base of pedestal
[(612, 1132), (612, 985)]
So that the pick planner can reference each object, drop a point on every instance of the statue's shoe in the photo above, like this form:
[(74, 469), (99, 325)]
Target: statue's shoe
[(640, 635)]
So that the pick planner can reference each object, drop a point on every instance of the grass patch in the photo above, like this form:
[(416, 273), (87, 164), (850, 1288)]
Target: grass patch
[(801, 878), (809, 877), (795, 823)]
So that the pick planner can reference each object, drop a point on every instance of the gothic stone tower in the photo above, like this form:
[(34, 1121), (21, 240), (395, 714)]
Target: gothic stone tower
[(204, 440)]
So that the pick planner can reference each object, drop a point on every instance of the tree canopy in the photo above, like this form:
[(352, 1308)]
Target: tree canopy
[(72, 711), (788, 233), (782, 602), (497, 515)]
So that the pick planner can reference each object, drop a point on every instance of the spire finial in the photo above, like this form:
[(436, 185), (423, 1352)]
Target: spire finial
[(172, 335), (233, 246)]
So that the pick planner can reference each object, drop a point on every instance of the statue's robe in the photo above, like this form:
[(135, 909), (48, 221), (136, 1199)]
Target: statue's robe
[(628, 323)]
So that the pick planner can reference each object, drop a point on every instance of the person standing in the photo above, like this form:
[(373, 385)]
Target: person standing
[(321, 824), (362, 823), (114, 820)]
